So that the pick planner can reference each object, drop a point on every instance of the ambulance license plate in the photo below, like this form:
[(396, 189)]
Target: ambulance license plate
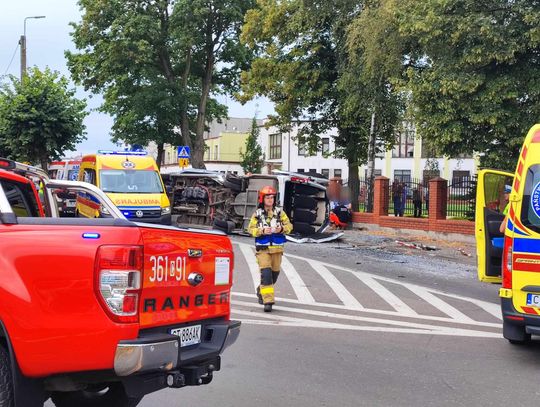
[(189, 335), (533, 299)]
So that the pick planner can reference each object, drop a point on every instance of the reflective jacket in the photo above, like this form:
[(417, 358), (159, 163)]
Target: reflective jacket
[(275, 218)]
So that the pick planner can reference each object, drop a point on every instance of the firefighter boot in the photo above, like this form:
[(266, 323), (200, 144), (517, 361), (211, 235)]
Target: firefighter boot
[(267, 307), (259, 296)]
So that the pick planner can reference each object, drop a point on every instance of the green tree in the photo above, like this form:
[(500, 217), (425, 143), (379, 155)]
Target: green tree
[(304, 66), (474, 74), (40, 119), (159, 64), (253, 158)]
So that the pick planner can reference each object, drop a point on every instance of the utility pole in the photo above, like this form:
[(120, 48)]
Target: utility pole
[(22, 43)]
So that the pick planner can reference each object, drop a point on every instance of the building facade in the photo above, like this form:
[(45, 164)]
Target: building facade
[(223, 144)]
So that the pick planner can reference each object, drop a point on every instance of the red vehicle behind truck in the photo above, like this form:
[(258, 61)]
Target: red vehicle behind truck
[(100, 312)]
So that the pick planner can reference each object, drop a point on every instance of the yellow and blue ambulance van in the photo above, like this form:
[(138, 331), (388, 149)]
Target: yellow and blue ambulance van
[(517, 263), (133, 182)]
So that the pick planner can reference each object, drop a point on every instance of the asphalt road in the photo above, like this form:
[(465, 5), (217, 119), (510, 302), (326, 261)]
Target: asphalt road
[(366, 326)]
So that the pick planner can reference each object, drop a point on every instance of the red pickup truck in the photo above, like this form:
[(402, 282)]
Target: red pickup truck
[(100, 312)]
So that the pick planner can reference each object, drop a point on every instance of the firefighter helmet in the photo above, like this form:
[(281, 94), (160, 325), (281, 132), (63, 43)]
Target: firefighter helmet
[(267, 190)]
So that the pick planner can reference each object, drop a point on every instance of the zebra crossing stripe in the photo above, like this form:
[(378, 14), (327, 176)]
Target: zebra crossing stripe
[(280, 300), (342, 293), (298, 285), (251, 261), (438, 303), (387, 295), (310, 323)]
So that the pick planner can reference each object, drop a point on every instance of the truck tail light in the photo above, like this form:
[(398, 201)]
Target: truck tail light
[(119, 272), (507, 263)]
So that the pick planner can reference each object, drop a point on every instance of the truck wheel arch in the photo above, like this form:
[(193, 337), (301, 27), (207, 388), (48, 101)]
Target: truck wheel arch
[(27, 391)]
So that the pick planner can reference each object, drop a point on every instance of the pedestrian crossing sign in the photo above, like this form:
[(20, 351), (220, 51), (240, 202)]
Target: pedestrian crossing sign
[(183, 162), (184, 152)]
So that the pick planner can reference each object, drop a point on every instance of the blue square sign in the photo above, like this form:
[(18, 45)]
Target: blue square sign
[(184, 152)]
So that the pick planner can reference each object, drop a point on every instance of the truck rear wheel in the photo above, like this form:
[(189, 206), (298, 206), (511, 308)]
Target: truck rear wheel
[(105, 395), (6, 382)]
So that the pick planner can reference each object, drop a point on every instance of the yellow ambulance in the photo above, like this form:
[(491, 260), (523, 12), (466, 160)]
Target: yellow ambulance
[(513, 257), (133, 182)]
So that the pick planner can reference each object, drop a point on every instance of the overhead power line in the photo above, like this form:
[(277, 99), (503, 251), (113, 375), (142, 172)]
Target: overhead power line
[(13, 56)]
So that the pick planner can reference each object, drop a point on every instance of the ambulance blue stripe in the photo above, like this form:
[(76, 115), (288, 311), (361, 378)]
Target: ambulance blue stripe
[(513, 229), (526, 245)]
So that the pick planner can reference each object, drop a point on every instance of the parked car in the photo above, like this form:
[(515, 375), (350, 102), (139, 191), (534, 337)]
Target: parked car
[(227, 201)]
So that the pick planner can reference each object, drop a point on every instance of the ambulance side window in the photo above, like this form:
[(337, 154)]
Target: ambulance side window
[(494, 191), (89, 176), (530, 206)]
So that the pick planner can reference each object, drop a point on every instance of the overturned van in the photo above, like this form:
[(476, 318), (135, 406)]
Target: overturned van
[(227, 201)]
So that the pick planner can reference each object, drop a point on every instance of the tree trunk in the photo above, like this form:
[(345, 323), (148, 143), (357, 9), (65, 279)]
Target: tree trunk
[(44, 161), (160, 151), (371, 165), (184, 118), (354, 184), (197, 155)]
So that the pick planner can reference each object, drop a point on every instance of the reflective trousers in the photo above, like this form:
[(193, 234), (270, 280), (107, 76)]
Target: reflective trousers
[(269, 266)]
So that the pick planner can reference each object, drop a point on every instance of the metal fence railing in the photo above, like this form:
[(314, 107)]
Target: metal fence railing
[(461, 198), (410, 197)]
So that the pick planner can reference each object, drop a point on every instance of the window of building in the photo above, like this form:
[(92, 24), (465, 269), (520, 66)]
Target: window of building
[(458, 176), (215, 153), (325, 145), (337, 173), (402, 175), (325, 172), (404, 146), (275, 146), (300, 170), (312, 170)]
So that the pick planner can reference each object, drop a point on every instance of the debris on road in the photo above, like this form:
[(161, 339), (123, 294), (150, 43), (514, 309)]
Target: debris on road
[(419, 246), (463, 252)]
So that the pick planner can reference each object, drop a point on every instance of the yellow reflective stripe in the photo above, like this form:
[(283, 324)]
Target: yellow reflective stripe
[(269, 289)]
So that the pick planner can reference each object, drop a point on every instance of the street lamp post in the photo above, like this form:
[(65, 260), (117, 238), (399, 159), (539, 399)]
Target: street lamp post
[(22, 43)]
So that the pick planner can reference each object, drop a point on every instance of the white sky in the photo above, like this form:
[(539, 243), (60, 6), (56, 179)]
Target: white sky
[(48, 38)]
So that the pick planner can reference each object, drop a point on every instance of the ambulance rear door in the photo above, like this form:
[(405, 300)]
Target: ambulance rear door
[(490, 205)]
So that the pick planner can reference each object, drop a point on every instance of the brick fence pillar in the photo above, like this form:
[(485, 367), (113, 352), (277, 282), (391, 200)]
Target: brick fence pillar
[(438, 198), (381, 197)]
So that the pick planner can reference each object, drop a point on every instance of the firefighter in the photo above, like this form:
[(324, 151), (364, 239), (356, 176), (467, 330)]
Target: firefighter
[(268, 225)]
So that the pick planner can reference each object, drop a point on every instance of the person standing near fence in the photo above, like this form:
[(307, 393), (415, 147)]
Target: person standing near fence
[(417, 196), (397, 192)]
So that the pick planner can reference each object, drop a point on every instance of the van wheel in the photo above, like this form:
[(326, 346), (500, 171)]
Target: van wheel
[(6, 382), (515, 334), (103, 395)]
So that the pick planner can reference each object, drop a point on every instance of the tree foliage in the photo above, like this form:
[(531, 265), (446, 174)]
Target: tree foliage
[(159, 65), (40, 119), (304, 66), (253, 158), (474, 73)]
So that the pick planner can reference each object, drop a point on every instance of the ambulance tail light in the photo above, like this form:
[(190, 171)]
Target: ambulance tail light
[(507, 263), (118, 280)]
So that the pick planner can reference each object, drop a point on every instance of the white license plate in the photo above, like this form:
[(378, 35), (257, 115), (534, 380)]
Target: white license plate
[(189, 335), (533, 299)]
